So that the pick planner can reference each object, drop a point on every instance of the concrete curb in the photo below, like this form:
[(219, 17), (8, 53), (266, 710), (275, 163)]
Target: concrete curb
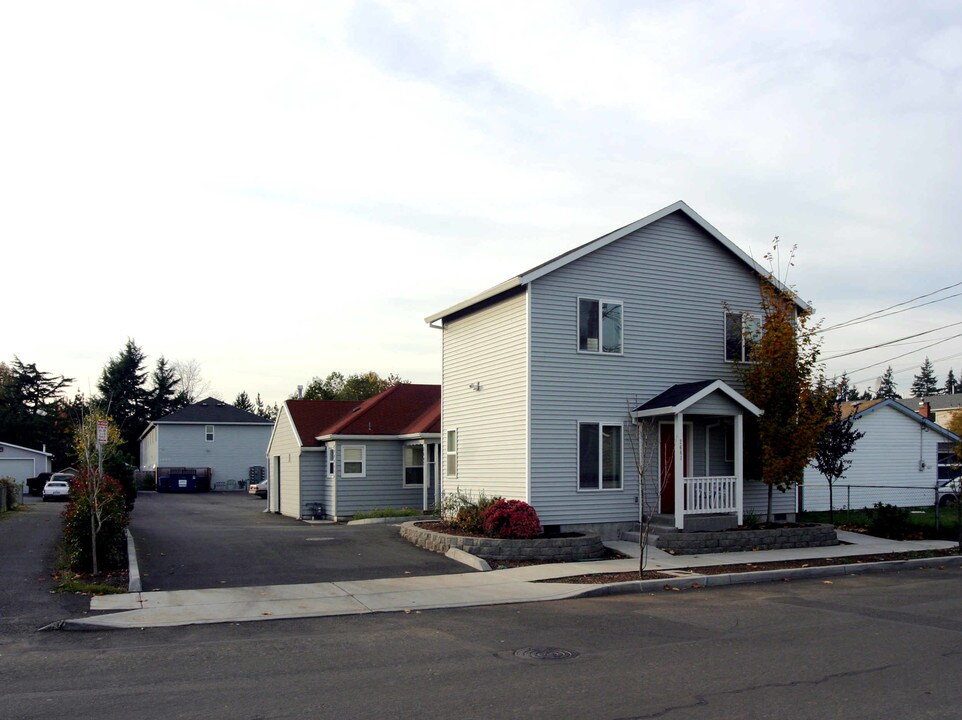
[(468, 559), (385, 520), (760, 576), (133, 569)]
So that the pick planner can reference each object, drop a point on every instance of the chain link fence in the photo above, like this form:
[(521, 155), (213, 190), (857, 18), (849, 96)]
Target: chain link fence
[(848, 499)]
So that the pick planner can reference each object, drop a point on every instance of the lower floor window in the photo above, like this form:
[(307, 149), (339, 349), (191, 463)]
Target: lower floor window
[(413, 464), (600, 452)]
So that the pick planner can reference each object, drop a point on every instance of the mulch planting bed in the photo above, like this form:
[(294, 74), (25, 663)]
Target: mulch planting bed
[(605, 578)]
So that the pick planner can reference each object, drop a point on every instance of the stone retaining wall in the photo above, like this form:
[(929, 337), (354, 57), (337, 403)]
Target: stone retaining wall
[(582, 547), (693, 543)]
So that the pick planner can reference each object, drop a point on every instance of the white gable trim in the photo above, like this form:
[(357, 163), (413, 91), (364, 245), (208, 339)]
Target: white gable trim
[(21, 447), (718, 385), (908, 412), (533, 274)]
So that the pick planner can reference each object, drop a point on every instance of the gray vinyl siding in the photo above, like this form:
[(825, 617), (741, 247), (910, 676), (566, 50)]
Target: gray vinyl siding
[(314, 487), (383, 484), (22, 463), (234, 449), (285, 445), (888, 454), (487, 347), (674, 282)]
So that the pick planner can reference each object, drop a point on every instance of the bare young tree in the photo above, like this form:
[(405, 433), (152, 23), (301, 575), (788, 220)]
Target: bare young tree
[(193, 386), (643, 440)]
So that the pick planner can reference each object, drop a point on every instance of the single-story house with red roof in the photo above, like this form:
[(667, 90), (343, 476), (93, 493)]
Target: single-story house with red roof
[(335, 458)]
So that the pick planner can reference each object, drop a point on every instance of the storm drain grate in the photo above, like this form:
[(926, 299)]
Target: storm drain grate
[(545, 653)]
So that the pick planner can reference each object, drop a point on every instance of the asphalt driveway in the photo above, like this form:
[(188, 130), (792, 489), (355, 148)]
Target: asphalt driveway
[(208, 540)]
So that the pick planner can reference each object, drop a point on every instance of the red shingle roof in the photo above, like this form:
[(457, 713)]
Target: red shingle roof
[(404, 409)]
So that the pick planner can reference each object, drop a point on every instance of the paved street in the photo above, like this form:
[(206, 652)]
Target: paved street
[(211, 540), (872, 646)]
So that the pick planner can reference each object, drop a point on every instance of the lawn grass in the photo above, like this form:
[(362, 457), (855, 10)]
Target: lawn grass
[(389, 512), (920, 522)]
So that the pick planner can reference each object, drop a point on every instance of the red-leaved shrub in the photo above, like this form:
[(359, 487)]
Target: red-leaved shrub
[(511, 519)]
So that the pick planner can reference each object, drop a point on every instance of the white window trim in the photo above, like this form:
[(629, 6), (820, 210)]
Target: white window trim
[(449, 453), (601, 462), (601, 301), (331, 461), (209, 435), (363, 473), (405, 466)]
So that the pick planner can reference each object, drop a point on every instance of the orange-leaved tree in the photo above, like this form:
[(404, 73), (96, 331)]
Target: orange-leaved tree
[(783, 377)]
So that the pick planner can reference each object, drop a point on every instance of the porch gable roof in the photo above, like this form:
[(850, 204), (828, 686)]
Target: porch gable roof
[(681, 397)]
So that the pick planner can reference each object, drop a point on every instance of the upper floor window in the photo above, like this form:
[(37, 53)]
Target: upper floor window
[(600, 456), (209, 432), (600, 326), (352, 460), (742, 330)]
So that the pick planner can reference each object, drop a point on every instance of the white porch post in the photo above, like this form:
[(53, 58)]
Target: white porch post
[(424, 474), (437, 473), (680, 471), (739, 466)]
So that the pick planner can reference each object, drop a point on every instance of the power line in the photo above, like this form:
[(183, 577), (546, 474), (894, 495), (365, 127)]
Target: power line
[(870, 316), (897, 340), (883, 362), (906, 368)]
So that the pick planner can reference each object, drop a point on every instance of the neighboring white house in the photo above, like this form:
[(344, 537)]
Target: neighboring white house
[(208, 434), (544, 374), (334, 458), (21, 463), (896, 462)]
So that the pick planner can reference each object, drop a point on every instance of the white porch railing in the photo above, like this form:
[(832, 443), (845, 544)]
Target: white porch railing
[(705, 495)]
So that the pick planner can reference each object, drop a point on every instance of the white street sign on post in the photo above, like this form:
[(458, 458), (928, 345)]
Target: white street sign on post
[(102, 432)]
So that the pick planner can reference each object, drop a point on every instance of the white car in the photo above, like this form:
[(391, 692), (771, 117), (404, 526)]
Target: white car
[(949, 492), (258, 489), (56, 490)]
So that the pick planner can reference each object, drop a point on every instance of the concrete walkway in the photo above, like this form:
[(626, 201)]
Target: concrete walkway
[(515, 585)]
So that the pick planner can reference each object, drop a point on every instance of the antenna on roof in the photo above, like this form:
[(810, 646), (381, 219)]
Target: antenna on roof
[(300, 392)]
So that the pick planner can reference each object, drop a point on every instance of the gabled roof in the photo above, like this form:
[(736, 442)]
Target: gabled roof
[(862, 408), (538, 271), (212, 411), (308, 416), (404, 409), (936, 402), (679, 398), (21, 447)]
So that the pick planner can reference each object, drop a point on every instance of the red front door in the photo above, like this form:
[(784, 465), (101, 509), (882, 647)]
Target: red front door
[(667, 465)]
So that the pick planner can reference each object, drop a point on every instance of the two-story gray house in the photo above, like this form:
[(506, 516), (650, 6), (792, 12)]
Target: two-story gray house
[(208, 434), (547, 377)]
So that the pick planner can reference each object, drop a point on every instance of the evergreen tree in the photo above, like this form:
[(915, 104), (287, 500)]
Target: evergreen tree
[(33, 409), (243, 401), (887, 388), (846, 392), (866, 395), (951, 384), (925, 383), (163, 398), (123, 395)]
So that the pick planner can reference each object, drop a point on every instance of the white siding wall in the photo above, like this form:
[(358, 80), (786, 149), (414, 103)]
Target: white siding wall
[(487, 347), (674, 281), (286, 445), (888, 454), (148, 450), (234, 448)]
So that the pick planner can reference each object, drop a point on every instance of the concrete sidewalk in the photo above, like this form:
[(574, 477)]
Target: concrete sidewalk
[(515, 585)]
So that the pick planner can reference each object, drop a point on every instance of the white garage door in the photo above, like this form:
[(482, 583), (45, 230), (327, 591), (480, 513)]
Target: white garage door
[(19, 469)]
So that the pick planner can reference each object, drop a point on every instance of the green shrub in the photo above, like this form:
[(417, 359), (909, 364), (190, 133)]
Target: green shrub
[(460, 511), (387, 512), (111, 540), (8, 486), (889, 521)]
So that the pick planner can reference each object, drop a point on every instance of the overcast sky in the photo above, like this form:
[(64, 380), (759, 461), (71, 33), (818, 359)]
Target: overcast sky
[(279, 190)]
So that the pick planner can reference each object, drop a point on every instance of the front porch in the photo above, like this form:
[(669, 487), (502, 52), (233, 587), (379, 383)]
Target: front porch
[(692, 439)]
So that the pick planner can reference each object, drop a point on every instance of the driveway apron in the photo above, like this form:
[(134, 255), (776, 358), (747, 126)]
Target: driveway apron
[(209, 540)]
